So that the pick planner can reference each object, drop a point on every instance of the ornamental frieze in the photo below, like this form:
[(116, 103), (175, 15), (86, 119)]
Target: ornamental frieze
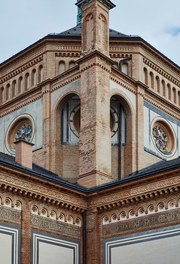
[(134, 191), (147, 222), (39, 189), (56, 226), (10, 214)]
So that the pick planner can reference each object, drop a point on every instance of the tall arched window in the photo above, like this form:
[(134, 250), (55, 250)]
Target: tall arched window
[(145, 76), (70, 120), (61, 67), (163, 88), (151, 80), (33, 77), (157, 84), (27, 82), (14, 86), (169, 91), (71, 64), (174, 95), (20, 85), (40, 74), (8, 91)]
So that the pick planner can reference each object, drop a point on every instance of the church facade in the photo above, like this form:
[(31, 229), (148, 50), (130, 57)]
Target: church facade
[(89, 148)]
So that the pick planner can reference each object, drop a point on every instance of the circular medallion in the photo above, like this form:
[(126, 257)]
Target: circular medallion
[(21, 128), (163, 137)]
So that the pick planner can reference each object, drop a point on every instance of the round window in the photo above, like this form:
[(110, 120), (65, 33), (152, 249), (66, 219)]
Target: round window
[(20, 128), (163, 137)]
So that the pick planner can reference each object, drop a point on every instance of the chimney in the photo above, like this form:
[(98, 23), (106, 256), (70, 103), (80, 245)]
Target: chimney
[(24, 153)]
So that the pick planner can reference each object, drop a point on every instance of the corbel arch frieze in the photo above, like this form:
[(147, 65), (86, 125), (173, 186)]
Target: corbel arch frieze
[(146, 208)]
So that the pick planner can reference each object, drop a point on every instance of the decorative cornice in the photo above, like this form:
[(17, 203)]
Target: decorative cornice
[(24, 186), (158, 69), (138, 192), (68, 54), (21, 69)]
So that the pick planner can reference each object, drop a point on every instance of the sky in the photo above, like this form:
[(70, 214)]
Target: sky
[(23, 22)]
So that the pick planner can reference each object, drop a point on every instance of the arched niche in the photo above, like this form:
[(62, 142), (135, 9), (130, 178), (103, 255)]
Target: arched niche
[(121, 124)]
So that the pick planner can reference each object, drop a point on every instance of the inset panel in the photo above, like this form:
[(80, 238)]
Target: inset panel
[(160, 247), (9, 248), (53, 250)]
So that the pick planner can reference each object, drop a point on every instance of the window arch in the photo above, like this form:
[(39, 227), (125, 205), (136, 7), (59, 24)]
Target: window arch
[(121, 126), (157, 84), (71, 64), (20, 84), (40, 74), (70, 121), (33, 77), (62, 67), (169, 91), (27, 82), (8, 91), (163, 88), (151, 80), (14, 87), (145, 76), (174, 95)]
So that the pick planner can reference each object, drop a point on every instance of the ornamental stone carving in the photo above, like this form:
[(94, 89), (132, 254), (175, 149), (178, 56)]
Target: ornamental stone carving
[(163, 137)]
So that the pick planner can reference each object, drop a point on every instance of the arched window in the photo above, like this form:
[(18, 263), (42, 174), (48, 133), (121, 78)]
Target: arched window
[(8, 91), (61, 67), (14, 86), (124, 67), (157, 84), (20, 85), (33, 77), (117, 122), (151, 80), (2, 95), (40, 74), (145, 76), (71, 64), (163, 88), (174, 95), (70, 120), (169, 91), (27, 82)]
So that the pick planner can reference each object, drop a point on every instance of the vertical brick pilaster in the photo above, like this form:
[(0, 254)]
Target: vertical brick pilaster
[(93, 238), (26, 253)]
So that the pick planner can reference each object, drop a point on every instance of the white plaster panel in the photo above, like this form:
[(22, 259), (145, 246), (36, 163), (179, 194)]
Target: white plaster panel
[(161, 247), (6, 248), (117, 88), (35, 111), (57, 94), (54, 254), (146, 127), (9, 246), (53, 250)]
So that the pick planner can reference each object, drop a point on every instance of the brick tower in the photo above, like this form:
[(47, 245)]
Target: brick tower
[(95, 68)]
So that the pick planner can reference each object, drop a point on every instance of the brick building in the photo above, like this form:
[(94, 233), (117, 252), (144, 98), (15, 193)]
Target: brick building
[(89, 148)]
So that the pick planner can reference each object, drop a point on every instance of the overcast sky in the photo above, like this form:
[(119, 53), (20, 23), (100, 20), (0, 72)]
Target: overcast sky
[(22, 22)]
